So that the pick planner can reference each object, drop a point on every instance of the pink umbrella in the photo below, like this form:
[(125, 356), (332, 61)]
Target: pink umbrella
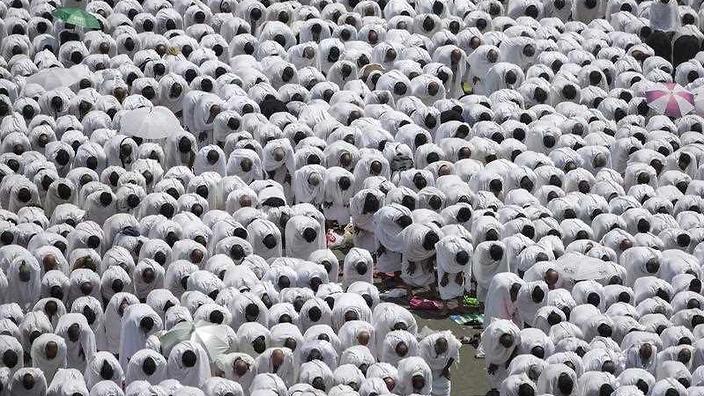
[(670, 99)]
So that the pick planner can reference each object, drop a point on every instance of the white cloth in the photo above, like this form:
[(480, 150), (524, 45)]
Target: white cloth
[(225, 365), (592, 382), (79, 338), (355, 332), (107, 388), (414, 371), (37, 382), (317, 374), (664, 16), (349, 306), (441, 350), (499, 302), (397, 345), (12, 353), (146, 365), (139, 321), (24, 280), (215, 386), (103, 367), (287, 370), (499, 341), (40, 354), (67, 382), (488, 260), (304, 235), (189, 363), (114, 312), (358, 266), (267, 384)]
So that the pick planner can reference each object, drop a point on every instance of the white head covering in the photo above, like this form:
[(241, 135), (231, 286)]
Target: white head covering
[(414, 376), (357, 332), (317, 374), (304, 235), (397, 345), (103, 367), (557, 379), (42, 347), (79, 338), (488, 260), (531, 297), (24, 279), (358, 266), (28, 382), (67, 382), (267, 384), (500, 301), (216, 386), (139, 321), (499, 341), (106, 388), (189, 363), (146, 365), (286, 369), (349, 306)]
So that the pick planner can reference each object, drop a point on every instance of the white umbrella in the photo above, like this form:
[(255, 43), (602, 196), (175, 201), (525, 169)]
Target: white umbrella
[(212, 337), (575, 267), (149, 123), (56, 77)]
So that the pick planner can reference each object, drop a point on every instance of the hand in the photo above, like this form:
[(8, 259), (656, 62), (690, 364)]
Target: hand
[(445, 280), (381, 250), (446, 373), (492, 369), (412, 267)]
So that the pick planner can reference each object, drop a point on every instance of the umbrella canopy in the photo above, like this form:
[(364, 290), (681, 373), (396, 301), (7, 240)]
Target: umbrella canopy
[(212, 337), (149, 123), (574, 268), (670, 99), (77, 17), (56, 77)]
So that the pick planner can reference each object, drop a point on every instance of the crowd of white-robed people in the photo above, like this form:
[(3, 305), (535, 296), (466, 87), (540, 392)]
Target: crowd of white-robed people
[(178, 167)]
